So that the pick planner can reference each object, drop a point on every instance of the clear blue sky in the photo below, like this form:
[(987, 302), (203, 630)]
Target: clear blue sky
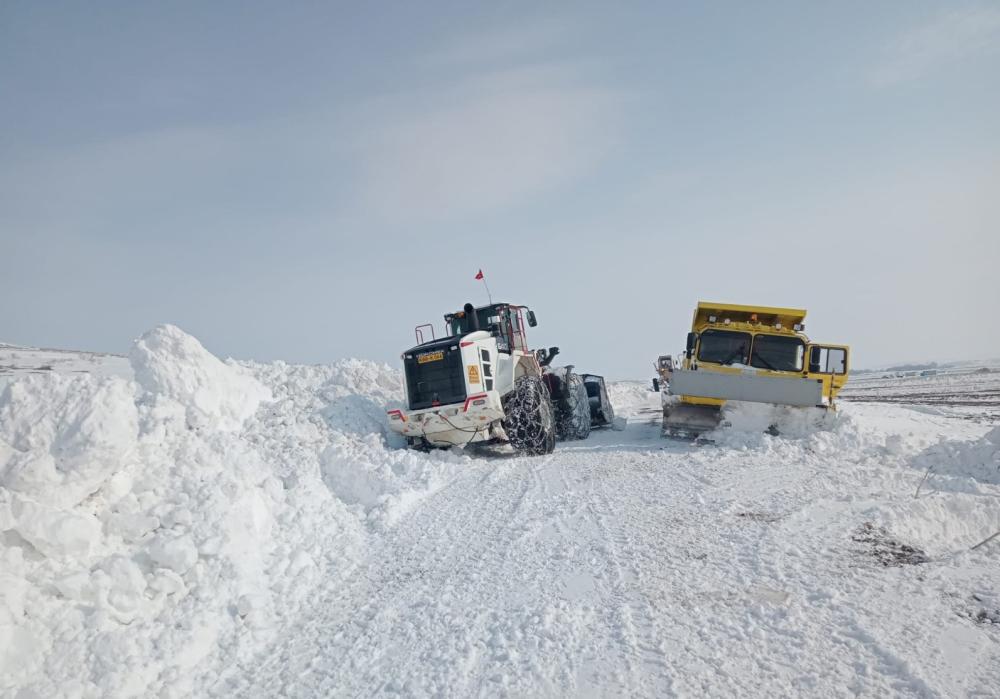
[(308, 181)]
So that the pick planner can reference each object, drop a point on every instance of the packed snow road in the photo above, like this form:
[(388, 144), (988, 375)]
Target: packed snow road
[(625, 565)]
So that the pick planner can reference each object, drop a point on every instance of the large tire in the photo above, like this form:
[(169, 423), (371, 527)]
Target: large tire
[(574, 422), (530, 423)]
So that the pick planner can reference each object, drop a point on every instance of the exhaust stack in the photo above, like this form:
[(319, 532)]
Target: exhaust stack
[(470, 311)]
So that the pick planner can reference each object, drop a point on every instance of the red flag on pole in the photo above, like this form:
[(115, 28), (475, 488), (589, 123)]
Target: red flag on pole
[(482, 277)]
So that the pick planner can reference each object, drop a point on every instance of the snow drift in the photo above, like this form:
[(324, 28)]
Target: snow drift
[(62, 437), (958, 505), (155, 528), (978, 459), (172, 366)]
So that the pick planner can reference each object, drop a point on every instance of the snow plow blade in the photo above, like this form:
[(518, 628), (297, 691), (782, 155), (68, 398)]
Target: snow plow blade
[(749, 387), (689, 421)]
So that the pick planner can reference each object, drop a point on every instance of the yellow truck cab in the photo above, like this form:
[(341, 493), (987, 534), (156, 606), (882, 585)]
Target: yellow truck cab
[(750, 353)]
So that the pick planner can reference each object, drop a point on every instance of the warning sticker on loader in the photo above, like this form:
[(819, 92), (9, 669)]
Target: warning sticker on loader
[(430, 357), (473, 374)]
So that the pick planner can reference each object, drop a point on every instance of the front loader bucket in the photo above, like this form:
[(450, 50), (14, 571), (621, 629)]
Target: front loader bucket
[(689, 421)]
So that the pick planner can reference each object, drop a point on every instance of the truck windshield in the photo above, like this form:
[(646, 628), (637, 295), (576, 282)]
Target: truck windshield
[(724, 347), (777, 353)]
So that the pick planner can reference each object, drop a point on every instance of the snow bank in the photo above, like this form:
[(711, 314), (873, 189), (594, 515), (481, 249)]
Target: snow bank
[(858, 431), (170, 364), (976, 459), (154, 530), (789, 422), (384, 485), (940, 523), (360, 460), (795, 432), (959, 503), (61, 437)]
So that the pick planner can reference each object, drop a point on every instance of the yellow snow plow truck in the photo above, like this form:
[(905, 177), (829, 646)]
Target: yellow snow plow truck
[(756, 354)]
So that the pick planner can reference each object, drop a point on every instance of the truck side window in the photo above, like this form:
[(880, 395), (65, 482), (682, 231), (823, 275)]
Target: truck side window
[(827, 360), (836, 360)]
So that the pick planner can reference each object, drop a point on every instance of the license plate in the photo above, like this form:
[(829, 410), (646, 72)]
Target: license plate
[(430, 357)]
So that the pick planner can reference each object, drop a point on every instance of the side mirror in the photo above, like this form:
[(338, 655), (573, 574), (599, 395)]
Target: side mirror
[(691, 341), (532, 321), (656, 385)]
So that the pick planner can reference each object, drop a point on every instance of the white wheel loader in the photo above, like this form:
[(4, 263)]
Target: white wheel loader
[(478, 384)]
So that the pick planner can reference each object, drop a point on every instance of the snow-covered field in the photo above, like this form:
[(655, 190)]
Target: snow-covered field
[(172, 524), (973, 392), (16, 361)]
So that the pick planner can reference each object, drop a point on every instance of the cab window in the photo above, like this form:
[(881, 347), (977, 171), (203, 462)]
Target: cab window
[(516, 330), (499, 325), (484, 317), (724, 347), (489, 318), (828, 360), (777, 353)]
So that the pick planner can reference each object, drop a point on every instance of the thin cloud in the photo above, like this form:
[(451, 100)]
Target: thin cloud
[(948, 39), (495, 141), (504, 44)]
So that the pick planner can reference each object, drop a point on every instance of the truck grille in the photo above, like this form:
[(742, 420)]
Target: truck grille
[(441, 381)]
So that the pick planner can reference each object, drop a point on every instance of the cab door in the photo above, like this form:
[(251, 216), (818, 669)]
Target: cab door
[(829, 363)]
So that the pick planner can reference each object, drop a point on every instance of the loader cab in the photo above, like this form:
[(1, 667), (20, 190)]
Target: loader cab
[(506, 322)]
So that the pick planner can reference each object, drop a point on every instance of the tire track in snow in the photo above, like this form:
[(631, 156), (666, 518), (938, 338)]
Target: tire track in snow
[(647, 580), (368, 580), (616, 497), (410, 587), (642, 652)]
